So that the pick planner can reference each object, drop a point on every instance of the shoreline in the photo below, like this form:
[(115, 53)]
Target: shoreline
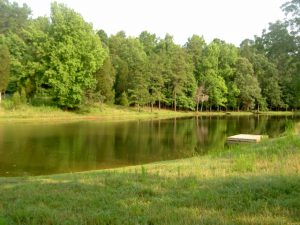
[(114, 113)]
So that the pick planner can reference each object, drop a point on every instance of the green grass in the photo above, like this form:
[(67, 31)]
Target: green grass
[(244, 184), (105, 112)]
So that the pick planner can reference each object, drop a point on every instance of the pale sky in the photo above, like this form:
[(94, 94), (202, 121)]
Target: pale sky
[(229, 20)]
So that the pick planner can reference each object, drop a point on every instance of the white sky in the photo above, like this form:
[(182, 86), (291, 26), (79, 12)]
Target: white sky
[(229, 20)]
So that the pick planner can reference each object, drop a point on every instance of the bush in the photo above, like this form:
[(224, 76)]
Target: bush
[(42, 101), (7, 104), (124, 100), (23, 97), (16, 99)]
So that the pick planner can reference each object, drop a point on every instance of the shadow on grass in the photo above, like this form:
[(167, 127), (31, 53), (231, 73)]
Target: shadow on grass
[(141, 198)]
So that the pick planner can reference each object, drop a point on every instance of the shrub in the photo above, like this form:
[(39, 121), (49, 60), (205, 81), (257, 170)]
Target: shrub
[(124, 99), (7, 104), (23, 97), (16, 99)]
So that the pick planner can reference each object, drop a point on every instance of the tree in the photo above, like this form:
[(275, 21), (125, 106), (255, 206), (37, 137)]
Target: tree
[(4, 69), (124, 99), (13, 17), (233, 94), (250, 92), (156, 81), (226, 69), (13, 20), (149, 42), (226, 60), (154, 68), (18, 54), (214, 83), (75, 53), (35, 59), (281, 49), (216, 89), (105, 78), (129, 60), (292, 9), (104, 38), (120, 85), (195, 47), (268, 78), (138, 78), (266, 73), (201, 96), (180, 84), (117, 43)]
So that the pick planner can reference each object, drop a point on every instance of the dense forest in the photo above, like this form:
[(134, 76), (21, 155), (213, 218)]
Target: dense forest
[(62, 61)]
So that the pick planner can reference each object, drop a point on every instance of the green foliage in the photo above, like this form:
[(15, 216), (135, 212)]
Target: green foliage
[(156, 81), (103, 37), (123, 99), (216, 89), (4, 68), (195, 47), (180, 83), (75, 54), (18, 55), (233, 94), (23, 97), (13, 17), (63, 59), (149, 42), (292, 8), (250, 92), (7, 104), (282, 49), (16, 99), (215, 85), (105, 78), (42, 101)]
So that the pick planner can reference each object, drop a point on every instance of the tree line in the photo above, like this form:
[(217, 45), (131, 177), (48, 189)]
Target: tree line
[(61, 61)]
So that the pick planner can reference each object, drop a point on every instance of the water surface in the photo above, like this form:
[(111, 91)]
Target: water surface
[(49, 148)]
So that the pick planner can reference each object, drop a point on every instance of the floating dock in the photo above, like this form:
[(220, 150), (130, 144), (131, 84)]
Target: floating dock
[(248, 138)]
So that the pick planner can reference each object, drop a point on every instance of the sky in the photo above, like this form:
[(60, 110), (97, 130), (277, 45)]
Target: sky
[(229, 20)]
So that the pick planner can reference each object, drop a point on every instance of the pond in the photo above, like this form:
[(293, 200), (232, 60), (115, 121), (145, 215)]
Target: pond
[(50, 148)]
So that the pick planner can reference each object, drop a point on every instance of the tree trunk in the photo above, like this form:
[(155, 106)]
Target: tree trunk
[(201, 106), (175, 102), (159, 104), (0, 97), (151, 106)]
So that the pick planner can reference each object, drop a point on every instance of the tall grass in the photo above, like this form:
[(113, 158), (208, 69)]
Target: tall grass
[(99, 112)]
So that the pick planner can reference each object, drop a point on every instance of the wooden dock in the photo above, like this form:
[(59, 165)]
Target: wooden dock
[(248, 138)]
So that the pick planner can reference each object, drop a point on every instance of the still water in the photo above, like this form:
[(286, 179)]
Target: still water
[(49, 148)]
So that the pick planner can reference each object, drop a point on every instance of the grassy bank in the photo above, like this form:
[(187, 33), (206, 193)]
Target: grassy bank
[(105, 112), (248, 184)]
